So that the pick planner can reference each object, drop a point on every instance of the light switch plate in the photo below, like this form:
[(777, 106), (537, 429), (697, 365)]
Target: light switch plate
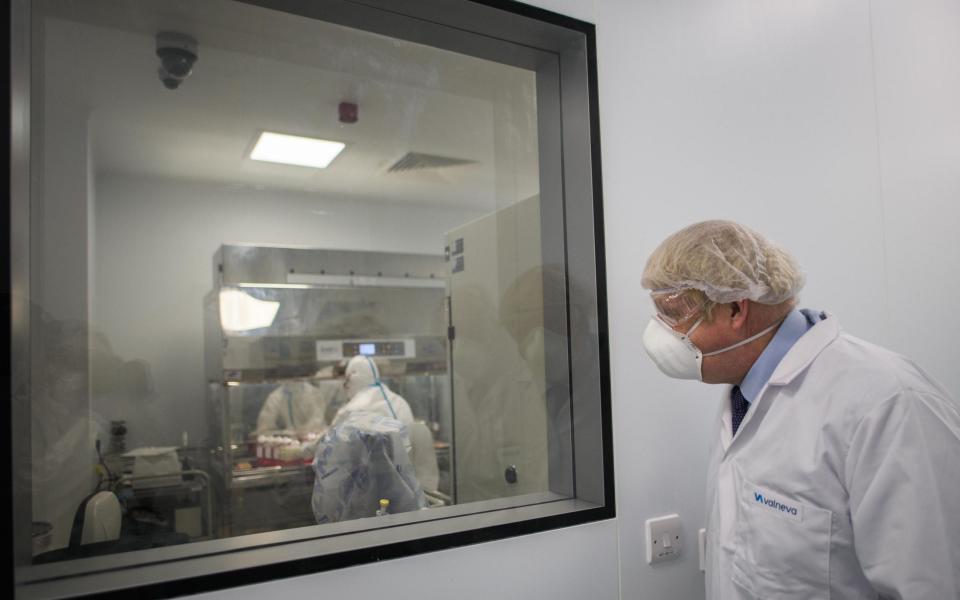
[(663, 538)]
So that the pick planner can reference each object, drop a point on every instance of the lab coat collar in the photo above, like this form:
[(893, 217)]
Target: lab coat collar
[(805, 350), (791, 329), (798, 358)]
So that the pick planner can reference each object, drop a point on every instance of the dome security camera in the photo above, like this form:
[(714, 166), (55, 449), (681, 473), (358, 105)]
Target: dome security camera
[(178, 54)]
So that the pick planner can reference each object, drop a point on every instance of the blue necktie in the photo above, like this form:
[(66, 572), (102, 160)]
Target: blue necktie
[(738, 408)]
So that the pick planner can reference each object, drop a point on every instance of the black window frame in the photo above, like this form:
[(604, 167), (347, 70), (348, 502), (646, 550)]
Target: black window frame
[(470, 20)]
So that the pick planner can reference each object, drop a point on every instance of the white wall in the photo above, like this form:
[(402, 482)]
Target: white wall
[(154, 247), (801, 120), (829, 126), (753, 111), (917, 49), (580, 562)]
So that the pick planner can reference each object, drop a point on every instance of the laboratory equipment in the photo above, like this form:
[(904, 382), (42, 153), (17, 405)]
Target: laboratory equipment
[(155, 467), (98, 519), (282, 315)]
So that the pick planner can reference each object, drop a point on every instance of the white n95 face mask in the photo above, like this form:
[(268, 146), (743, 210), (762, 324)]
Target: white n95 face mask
[(673, 352), (676, 355)]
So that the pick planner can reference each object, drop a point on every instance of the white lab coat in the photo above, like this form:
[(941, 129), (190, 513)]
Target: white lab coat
[(843, 481)]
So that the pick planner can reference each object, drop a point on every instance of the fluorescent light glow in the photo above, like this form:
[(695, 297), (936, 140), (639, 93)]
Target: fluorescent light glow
[(364, 281), (241, 312), (295, 286), (295, 150)]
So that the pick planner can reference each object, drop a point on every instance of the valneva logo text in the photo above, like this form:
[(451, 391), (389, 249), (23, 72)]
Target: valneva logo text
[(792, 510)]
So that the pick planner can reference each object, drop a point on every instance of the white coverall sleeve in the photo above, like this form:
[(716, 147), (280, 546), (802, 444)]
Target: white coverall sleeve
[(313, 406), (269, 415), (903, 478)]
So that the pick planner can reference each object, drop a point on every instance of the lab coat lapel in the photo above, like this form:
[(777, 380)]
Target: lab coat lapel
[(726, 420), (807, 348)]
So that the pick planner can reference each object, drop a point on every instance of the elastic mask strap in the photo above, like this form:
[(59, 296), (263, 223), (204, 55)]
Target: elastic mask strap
[(692, 329), (746, 341), (377, 384)]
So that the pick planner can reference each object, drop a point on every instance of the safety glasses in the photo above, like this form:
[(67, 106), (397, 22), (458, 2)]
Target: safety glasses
[(676, 305)]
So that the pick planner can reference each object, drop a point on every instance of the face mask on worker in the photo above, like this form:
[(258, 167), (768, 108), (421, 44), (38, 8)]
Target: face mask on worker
[(676, 355)]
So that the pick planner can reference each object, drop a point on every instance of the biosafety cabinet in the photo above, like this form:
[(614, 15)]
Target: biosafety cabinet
[(459, 336), (284, 316)]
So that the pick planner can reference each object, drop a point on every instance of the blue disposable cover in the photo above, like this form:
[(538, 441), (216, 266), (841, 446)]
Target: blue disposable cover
[(359, 461)]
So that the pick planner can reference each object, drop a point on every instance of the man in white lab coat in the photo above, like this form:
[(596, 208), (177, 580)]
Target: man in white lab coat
[(835, 468)]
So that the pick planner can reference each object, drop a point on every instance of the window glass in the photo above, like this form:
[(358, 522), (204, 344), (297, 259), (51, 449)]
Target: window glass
[(284, 274)]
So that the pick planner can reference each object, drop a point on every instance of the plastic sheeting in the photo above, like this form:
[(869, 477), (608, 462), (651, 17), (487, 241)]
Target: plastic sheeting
[(358, 462)]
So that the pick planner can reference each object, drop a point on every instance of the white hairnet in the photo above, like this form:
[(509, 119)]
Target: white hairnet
[(727, 262)]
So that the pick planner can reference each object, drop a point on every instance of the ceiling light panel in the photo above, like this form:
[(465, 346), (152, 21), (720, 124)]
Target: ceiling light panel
[(295, 150)]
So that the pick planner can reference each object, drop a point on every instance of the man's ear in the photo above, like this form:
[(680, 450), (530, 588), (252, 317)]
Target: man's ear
[(739, 311)]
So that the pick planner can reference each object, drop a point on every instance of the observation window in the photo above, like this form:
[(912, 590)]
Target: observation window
[(298, 285)]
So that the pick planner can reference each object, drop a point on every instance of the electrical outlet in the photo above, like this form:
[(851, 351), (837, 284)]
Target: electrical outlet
[(663, 538)]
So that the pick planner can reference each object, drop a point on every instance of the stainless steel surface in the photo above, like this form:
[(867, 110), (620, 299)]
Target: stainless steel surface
[(349, 313), (19, 239), (265, 477), (553, 255), (201, 475), (268, 264), (581, 238), (308, 314)]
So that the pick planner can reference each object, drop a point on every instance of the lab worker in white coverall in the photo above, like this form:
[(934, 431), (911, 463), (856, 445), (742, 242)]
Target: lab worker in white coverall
[(367, 393), (298, 406), (835, 467)]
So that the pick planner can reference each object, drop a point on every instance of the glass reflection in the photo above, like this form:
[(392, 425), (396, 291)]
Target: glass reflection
[(223, 346)]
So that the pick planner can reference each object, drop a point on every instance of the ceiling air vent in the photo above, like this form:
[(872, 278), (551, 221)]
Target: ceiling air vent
[(415, 161)]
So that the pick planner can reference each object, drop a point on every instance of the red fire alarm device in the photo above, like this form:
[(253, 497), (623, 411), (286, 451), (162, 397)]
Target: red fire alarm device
[(349, 112)]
